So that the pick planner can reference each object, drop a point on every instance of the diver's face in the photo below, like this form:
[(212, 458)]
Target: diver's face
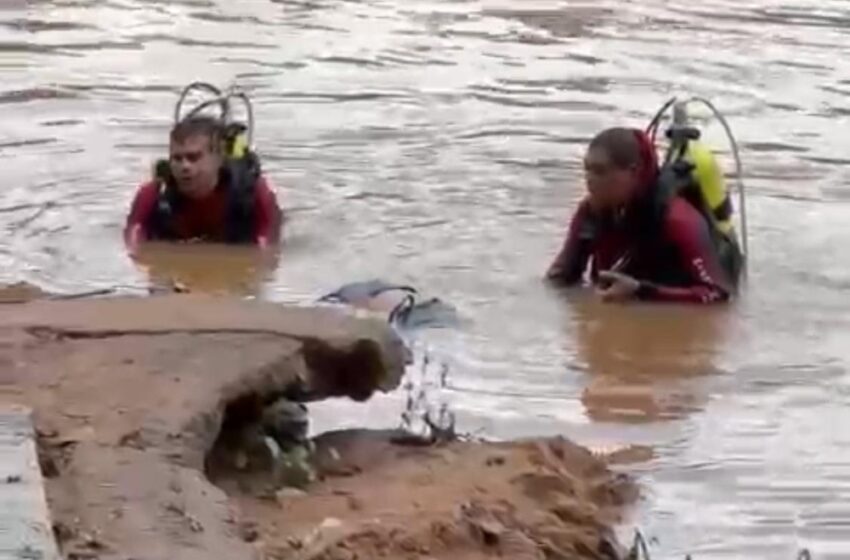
[(609, 186), (195, 164)]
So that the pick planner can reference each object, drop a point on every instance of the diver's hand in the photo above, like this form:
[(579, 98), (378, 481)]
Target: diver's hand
[(555, 270), (133, 239), (617, 286)]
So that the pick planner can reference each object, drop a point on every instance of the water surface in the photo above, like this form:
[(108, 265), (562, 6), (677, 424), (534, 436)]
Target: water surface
[(438, 143)]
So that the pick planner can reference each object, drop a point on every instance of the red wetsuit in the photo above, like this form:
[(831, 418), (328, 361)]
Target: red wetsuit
[(205, 219), (675, 260), (669, 248)]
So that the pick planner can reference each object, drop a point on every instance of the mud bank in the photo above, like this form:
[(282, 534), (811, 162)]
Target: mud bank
[(129, 396), (531, 500)]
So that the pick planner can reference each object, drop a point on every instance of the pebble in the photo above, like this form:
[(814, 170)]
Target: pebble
[(288, 493)]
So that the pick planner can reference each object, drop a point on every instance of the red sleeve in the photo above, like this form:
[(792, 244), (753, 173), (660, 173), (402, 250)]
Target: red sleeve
[(689, 233), (268, 217), (571, 262), (141, 209)]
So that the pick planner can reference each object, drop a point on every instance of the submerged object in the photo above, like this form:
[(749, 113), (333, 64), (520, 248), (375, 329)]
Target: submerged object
[(403, 304)]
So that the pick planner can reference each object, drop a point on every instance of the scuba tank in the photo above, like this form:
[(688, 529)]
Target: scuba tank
[(708, 176), (691, 169), (240, 161), (236, 141), (238, 136), (698, 168)]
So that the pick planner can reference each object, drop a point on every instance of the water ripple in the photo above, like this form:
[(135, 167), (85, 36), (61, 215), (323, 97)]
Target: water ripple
[(38, 26), (141, 39), (440, 143), (22, 96)]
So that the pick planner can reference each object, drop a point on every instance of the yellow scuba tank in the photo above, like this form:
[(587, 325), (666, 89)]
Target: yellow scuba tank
[(237, 136), (708, 176), (236, 143), (704, 169), (692, 165), (239, 147)]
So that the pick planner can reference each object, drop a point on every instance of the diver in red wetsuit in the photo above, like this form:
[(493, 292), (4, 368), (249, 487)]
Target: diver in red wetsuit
[(200, 195), (641, 244)]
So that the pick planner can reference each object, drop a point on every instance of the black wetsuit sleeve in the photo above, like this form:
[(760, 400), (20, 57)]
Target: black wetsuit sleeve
[(571, 262)]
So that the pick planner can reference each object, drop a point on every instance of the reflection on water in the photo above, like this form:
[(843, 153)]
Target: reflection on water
[(207, 268), (642, 361), (438, 143)]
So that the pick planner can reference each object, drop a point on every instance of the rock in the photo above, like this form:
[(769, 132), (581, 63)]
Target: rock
[(495, 461), (323, 538), (144, 386), (287, 422), (285, 494), (354, 504), (330, 523), (249, 532), (294, 469)]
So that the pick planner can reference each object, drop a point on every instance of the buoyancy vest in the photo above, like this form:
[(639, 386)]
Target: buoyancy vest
[(238, 176), (693, 173)]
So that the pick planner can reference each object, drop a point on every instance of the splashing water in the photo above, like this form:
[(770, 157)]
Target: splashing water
[(640, 550), (427, 415)]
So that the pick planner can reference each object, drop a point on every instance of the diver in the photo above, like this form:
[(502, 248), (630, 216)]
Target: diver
[(648, 231), (210, 189)]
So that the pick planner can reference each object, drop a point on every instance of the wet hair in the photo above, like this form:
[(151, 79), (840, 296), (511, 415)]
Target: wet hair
[(209, 127), (621, 145)]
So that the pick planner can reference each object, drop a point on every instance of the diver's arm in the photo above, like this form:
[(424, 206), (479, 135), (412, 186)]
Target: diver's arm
[(571, 262), (143, 205), (268, 216), (687, 230)]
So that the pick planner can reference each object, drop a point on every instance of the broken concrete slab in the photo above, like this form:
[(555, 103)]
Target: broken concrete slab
[(129, 396), (25, 527)]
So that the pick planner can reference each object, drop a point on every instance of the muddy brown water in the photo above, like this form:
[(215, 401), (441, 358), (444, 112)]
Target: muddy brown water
[(438, 143)]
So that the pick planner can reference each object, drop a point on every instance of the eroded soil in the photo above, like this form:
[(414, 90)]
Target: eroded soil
[(546, 499)]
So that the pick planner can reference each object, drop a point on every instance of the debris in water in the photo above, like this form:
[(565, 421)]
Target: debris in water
[(640, 551), (420, 425), (29, 553)]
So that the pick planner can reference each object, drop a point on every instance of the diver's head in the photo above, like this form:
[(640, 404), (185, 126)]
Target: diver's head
[(195, 155), (618, 164)]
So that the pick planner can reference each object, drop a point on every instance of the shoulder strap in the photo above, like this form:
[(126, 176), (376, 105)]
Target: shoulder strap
[(241, 175), (160, 221), (677, 179), (674, 179)]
